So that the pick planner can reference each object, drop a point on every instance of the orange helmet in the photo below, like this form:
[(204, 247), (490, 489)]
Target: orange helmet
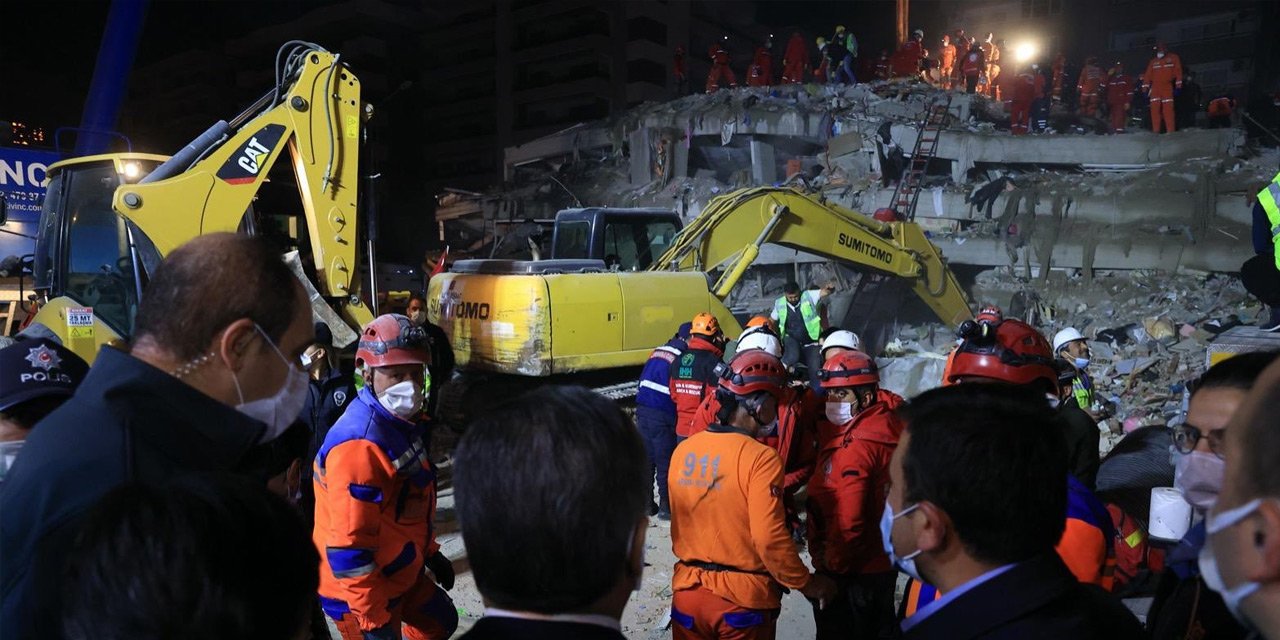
[(751, 371), (391, 339), (763, 321), (705, 324), (990, 314), (849, 369), (1012, 351)]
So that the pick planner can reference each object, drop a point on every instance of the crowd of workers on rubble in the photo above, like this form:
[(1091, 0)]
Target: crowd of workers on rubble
[(223, 476), (1164, 95)]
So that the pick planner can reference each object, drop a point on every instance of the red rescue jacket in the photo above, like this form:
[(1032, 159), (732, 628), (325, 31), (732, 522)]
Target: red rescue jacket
[(693, 378), (799, 411), (848, 489)]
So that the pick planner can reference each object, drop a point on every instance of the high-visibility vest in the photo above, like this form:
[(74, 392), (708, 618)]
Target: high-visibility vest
[(1082, 389), (812, 323), (1270, 200)]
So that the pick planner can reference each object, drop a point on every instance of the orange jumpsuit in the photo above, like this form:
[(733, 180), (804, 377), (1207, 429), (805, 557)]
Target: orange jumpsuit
[(795, 60), (1091, 79), (946, 64), (375, 507), (730, 536), (1028, 87), (993, 69), (760, 73), (719, 69), (1119, 97), (1162, 76)]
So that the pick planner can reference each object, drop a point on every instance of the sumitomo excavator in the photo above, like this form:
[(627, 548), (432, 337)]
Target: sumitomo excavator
[(577, 317), (108, 220)]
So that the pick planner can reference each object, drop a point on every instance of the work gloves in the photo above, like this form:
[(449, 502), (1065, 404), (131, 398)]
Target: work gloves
[(442, 568)]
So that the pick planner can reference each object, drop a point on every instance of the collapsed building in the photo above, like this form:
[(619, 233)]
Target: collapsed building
[(1123, 236)]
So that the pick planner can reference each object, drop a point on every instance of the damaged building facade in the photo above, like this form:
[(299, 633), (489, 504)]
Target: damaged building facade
[(1131, 237)]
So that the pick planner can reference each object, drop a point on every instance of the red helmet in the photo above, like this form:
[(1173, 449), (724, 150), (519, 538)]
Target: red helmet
[(391, 339), (1014, 352), (751, 371), (885, 214), (990, 314), (849, 369)]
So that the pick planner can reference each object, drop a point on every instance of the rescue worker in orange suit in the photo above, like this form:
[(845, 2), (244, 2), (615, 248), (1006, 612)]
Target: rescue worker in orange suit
[(991, 55), (376, 499), (795, 60), (720, 70), (1161, 79), (846, 499), (1028, 87), (693, 374), (1059, 72), (1013, 352), (760, 73), (906, 62), (1091, 79), (883, 66), (794, 436), (820, 74), (946, 62), (1120, 86), (680, 69), (728, 529), (1220, 110), (972, 66)]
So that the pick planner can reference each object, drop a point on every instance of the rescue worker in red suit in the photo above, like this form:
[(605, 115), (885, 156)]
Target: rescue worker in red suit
[(727, 525), (1028, 88), (1120, 86), (680, 69), (1059, 72), (1013, 352), (883, 67), (376, 499), (906, 62), (946, 62), (693, 374), (795, 60), (1090, 81), (794, 436), (760, 73), (847, 493), (1162, 77), (719, 69), (972, 66)]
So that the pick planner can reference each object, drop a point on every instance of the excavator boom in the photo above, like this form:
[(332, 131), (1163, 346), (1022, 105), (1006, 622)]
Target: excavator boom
[(728, 235)]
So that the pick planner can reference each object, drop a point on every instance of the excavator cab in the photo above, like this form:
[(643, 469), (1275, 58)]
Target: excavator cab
[(87, 256), (626, 239)]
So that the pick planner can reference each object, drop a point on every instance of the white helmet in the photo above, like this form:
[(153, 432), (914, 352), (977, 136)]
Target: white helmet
[(1070, 334), (762, 340), (841, 338)]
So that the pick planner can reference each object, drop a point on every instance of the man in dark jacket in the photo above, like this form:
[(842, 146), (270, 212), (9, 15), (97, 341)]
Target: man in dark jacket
[(656, 414), (975, 507), (329, 392), (212, 374)]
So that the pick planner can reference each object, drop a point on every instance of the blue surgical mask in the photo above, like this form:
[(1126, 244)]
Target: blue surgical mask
[(1217, 523), (906, 563), (1082, 363)]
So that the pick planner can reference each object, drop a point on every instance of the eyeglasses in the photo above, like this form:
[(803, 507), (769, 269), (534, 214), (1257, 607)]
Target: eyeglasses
[(1186, 437)]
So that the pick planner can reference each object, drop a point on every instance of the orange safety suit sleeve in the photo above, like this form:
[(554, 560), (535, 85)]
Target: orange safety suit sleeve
[(1148, 74), (357, 473), (768, 520), (1083, 549)]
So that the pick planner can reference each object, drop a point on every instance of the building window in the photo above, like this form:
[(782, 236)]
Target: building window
[(646, 71), (645, 28)]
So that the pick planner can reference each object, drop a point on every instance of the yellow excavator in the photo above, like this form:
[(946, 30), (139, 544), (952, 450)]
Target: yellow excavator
[(108, 220), (575, 316)]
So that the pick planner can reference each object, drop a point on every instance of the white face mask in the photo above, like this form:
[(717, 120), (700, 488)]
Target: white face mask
[(1217, 523), (839, 412), (1160, 54), (403, 400), (906, 563), (281, 409), (1198, 475), (418, 318)]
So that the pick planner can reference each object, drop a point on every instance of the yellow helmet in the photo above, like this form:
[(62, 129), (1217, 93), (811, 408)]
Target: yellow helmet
[(821, 41), (839, 28)]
